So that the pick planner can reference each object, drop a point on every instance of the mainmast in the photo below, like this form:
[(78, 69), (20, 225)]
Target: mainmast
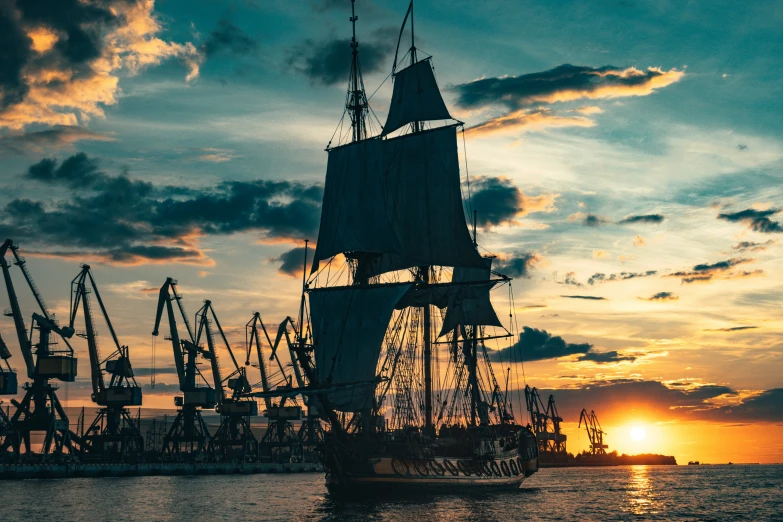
[(356, 101), (424, 276)]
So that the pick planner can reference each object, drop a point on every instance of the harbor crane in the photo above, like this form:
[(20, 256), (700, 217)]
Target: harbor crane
[(234, 439), (114, 435), (594, 432), (545, 422), (8, 386), (280, 441), (40, 410), (188, 436)]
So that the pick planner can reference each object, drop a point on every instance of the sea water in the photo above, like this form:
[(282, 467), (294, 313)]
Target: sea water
[(736, 492)]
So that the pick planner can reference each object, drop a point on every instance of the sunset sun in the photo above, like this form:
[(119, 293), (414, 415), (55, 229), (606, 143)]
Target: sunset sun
[(638, 434)]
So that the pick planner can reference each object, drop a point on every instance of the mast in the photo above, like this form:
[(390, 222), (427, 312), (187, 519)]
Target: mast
[(424, 275), (356, 100), (473, 343)]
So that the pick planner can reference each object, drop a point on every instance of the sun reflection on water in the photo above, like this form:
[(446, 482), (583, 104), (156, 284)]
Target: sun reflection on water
[(640, 493)]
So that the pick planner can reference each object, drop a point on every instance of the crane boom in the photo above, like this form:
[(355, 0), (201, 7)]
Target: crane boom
[(253, 339), (204, 327), (22, 263), (16, 313), (79, 294), (164, 298)]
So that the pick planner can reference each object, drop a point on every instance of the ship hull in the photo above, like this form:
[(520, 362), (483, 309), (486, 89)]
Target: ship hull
[(438, 475)]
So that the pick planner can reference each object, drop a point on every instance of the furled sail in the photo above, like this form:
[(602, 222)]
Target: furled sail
[(349, 324), (424, 202), (470, 305), (354, 215), (416, 97)]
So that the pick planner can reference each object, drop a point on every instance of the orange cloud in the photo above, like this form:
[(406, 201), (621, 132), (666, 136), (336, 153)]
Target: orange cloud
[(524, 120), (59, 93)]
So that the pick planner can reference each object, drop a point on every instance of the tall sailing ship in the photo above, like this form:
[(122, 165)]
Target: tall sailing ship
[(390, 347)]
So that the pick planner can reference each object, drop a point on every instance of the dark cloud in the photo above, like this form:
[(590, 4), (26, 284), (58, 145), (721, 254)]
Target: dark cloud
[(613, 399), (498, 201), (732, 329), (563, 83), (587, 297), (78, 171), (538, 345), (750, 246), (17, 50), (80, 24), (622, 276), (55, 138), (517, 265), (705, 272), (757, 220), (645, 218), (742, 146), (292, 261), (329, 62), (765, 407), (606, 357), (229, 38), (80, 21), (661, 296), (591, 220), (125, 221)]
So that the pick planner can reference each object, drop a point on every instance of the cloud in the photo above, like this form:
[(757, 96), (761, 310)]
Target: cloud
[(518, 264), (661, 296), (563, 83), (215, 155), (228, 38), (645, 218), (586, 297), (63, 59), (119, 220), (588, 220), (639, 241), (538, 345), (682, 400), (291, 262), (76, 172), (732, 329), (622, 276), (329, 62), (764, 407), (525, 120), (606, 357), (523, 96), (705, 272), (750, 246), (593, 220), (601, 254), (570, 280), (757, 220), (59, 137), (498, 201)]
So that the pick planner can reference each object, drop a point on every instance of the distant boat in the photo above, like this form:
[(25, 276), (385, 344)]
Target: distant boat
[(693, 463)]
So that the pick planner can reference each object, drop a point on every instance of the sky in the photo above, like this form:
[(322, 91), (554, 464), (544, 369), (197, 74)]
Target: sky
[(624, 160)]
